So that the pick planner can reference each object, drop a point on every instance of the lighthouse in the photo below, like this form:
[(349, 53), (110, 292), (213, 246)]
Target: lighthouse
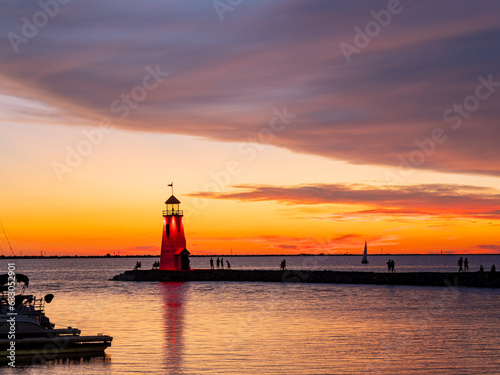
[(174, 255)]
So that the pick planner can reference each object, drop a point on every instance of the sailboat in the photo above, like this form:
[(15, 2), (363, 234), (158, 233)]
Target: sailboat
[(365, 259)]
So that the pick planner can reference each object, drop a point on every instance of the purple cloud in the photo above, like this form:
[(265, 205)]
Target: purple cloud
[(490, 247), (427, 199), (226, 77)]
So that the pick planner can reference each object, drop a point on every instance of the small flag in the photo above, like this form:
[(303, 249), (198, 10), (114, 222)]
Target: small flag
[(172, 184)]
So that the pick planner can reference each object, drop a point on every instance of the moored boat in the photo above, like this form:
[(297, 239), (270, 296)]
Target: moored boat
[(27, 334)]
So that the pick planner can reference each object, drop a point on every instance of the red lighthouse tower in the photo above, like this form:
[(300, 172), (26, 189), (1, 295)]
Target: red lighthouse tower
[(174, 255)]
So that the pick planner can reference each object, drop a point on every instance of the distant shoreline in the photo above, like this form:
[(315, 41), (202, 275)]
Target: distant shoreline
[(225, 256)]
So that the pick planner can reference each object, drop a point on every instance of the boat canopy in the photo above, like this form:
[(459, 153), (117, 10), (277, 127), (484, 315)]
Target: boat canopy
[(20, 278)]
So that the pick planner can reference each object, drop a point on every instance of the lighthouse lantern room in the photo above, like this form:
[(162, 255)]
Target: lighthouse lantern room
[(172, 204), (174, 255)]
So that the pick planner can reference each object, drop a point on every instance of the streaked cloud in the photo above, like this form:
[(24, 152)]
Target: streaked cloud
[(226, 77), (415, 200), (494, 248)]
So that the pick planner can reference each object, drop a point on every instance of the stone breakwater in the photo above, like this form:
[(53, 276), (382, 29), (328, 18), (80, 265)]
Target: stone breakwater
[(450, 279)]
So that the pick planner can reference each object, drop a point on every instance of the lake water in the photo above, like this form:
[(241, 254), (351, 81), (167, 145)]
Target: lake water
[(271, 328)]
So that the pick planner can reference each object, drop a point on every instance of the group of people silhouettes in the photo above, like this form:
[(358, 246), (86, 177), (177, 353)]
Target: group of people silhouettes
[(219, 263), (390, 266), (493, 268), (463, 266)]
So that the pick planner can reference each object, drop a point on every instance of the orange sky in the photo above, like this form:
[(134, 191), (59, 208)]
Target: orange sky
[(113, 204)]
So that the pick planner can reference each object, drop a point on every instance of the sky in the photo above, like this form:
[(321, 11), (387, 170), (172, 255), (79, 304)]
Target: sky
[(287, 127)]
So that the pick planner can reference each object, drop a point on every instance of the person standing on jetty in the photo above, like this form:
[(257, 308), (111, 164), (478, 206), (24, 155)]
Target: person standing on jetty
[(221, 263), (460, 263), (211, 264), (283, 264), (228, 265), (218, 263), (466, 265)]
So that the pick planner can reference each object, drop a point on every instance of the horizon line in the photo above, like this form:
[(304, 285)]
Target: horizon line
[(229, 255)]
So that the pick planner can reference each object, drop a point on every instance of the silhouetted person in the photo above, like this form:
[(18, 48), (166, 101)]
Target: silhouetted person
[(389, 264), (228, 265), (211, 264), (392, 266), (283, 264), (481, 268), (493, 268), (222, 263), (218, 263), (466, 265), (460, 263)]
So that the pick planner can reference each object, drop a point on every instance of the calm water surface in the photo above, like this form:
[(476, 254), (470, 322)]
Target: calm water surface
[(271, 328)]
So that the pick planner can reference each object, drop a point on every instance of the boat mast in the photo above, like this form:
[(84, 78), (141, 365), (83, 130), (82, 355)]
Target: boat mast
[(7, 238)]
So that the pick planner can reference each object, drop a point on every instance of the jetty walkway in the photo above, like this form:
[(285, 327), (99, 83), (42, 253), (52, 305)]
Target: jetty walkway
[(444, 279)]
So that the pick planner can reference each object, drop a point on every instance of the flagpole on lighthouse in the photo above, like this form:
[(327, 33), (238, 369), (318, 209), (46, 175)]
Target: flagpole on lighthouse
[(172, 185)]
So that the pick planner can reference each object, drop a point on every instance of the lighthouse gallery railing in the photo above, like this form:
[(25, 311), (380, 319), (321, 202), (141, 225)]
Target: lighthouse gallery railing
[(173, 212)]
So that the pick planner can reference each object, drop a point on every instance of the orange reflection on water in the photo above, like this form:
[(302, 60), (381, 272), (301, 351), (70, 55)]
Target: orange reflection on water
[(173, 295)]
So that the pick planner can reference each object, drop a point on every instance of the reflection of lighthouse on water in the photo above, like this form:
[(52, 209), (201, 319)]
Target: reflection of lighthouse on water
[(173, 320)]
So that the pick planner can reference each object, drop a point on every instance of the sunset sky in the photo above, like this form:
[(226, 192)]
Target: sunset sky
[(287, 127)]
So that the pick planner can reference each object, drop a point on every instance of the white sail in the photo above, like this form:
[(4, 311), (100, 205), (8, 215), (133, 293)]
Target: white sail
[(365, 259)]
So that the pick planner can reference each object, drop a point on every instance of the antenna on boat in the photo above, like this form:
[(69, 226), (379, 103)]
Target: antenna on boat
[(7, 238), (13, 253)]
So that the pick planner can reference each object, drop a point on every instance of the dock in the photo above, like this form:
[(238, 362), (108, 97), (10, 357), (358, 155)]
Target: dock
[(436, 279)]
